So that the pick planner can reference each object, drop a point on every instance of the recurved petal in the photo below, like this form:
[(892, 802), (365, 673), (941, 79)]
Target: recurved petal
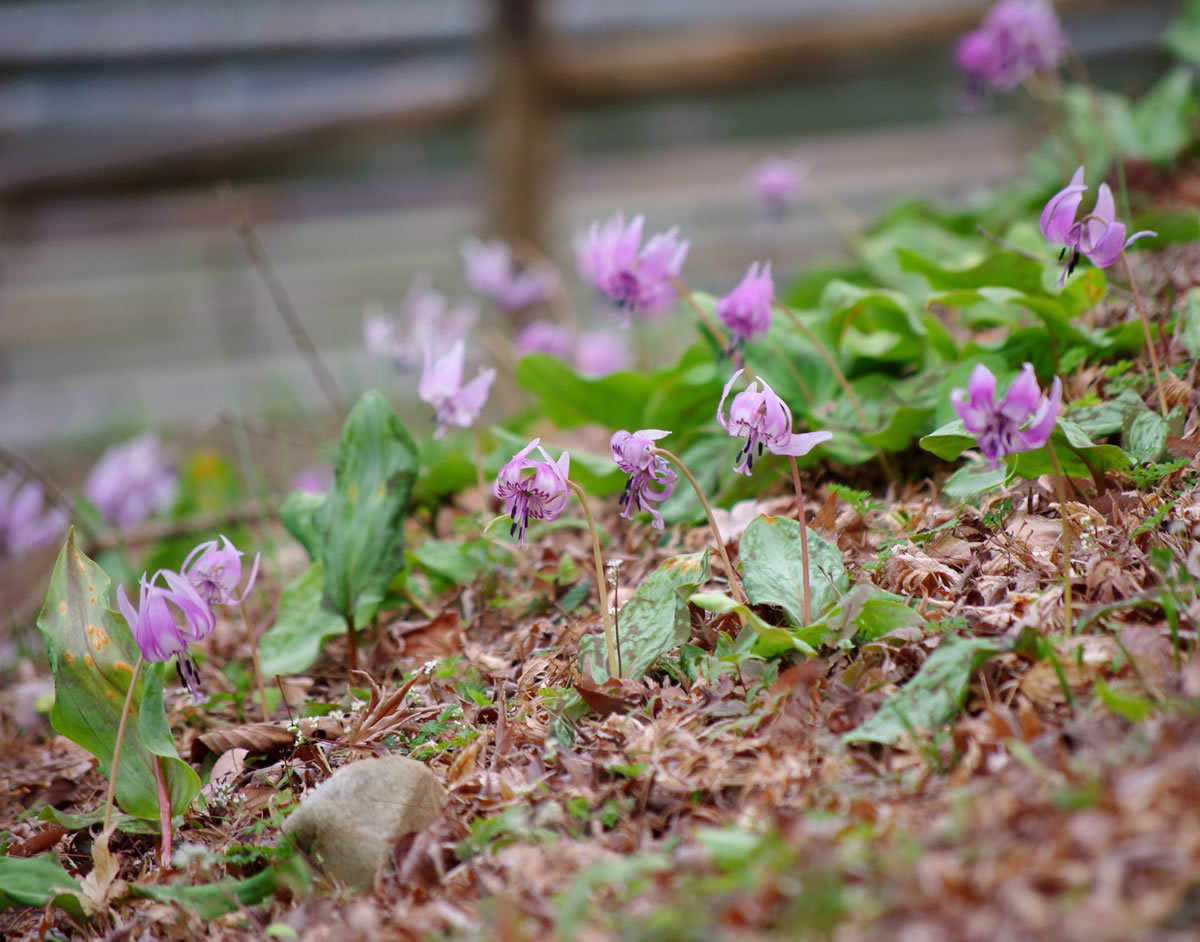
[(1107, 249), (1023, 396), (797, 445), (1059, 214), (725, 395), (1044, 419)]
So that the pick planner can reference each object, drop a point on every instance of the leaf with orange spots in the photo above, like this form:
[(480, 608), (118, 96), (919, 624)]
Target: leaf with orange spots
[(92, 653)]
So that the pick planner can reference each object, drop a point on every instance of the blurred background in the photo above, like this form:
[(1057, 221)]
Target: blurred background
[(367, 138)]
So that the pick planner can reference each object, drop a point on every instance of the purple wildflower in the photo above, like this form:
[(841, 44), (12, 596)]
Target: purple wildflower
[(544, 337), (25, 523), (1022, 421), (600, 352), (650, 477), (425, 320), (315, 479), (1097, 235), (1016, 39), (215, 573), (765, 421), (441, 386), (542, 495), (154, 625), (132, 480), (635, 281), (746, 310), (492, 271), (777, 181)]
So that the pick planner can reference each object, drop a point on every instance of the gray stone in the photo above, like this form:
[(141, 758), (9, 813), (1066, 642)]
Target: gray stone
[(349, 824)]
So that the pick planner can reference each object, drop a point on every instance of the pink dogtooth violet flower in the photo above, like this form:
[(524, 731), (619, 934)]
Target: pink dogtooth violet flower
[(1022, 421), (425, 320), (650, 477), (544, 336), (1098, 235), (1016, 39), (132, 480), (764, 420), (493, 272), (746, 310), (25, 523), (215, 572), (777, 182), (541, 495), (155, 628), (441, 386), (636, 280)]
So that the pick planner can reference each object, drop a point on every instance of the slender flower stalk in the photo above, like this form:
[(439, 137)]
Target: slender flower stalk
[(801, 518), (734, 582), (1150, 348), (110, 797), (1059, 479), (610, 639), (164, 810), (258, 676), (686, 294)]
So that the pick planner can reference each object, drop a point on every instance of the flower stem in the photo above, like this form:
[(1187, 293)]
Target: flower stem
[(734, 584), (1137, 300), (116, 760), (614, 667), (684, 292), (801, 519), (258, 678), (829, 362), (351, 644), (1068, 620), (164, 811)]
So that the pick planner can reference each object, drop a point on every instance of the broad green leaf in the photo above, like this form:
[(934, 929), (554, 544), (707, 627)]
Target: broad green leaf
[(867, 612), (92, 653), (875, 325), (930, 239), (361, 522), (1078, 455), (1129, 706), (302, 626), (949, 441), (1169, 228), (122, 822), (933, 697), (210, 900), (654, 620), (36, 881), (458, 563), (1164, 118), (1145, 437), (973, 479), (999, 269), (905, 424), (772, 572), (299, 515), (1183, 35), (771, 638), (1107, 417)]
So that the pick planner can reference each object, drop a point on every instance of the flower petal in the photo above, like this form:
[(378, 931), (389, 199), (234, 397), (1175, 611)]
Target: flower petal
[(1059, 213)]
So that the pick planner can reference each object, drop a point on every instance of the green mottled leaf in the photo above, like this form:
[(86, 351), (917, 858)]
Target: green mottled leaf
[(654, 620), (771, 639), (299, 515), (772, 573), (302, 626), (1191, 322), (92, 654), (1078, 455), (949, 441), (36, 881), (933, 697), (361, 522), (971, 480), (1145, 437)]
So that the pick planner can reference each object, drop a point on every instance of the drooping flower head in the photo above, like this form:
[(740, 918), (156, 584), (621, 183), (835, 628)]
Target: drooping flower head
[(1098, 235), (635, 281), (1016, 39), (746, 310), (492, 271), (650, 477), (215, 572), (544, 336), (777, 182), (764, 420), (441, 386), (132, 480), (425, 320), (1022, 421), (540, 495), (156, 629), (25, 523)]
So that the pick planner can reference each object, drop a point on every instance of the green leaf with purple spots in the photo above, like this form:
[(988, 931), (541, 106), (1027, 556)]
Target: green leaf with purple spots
[(92, 654)]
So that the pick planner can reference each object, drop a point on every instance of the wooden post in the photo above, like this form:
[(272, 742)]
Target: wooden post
[(517, 135)]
